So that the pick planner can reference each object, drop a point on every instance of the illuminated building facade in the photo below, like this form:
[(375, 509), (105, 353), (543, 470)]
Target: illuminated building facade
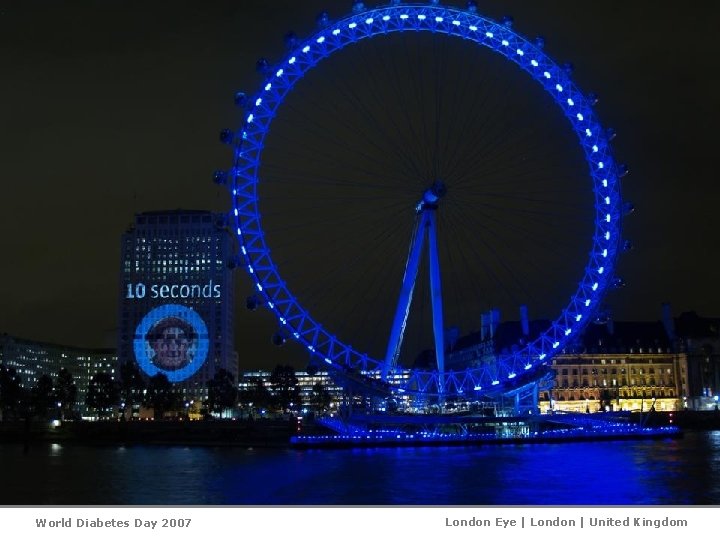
[(629, 366), (32, 359), (250, 379), (337, 393), (176, 298), (670, 364)]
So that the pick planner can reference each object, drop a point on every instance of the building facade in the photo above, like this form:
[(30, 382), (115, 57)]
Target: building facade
[(176, 298), (305, 385), (699, 339), (668, 364), (617, 381), (33, 359), (630, 366)]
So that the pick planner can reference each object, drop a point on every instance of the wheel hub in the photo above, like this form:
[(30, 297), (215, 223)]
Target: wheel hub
[(431, 197)]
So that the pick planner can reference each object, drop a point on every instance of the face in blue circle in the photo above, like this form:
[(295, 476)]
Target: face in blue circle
[(173, 340), (174, 343)]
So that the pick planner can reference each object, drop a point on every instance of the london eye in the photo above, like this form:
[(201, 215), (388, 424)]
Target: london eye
[(389, 187)]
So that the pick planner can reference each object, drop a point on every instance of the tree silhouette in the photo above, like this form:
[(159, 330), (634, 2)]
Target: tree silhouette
[(132, 385), (320, 398), (256, 397), (286, 393), (65, 393), (12, 395), (222, 391), (42, 397), (161, 396)]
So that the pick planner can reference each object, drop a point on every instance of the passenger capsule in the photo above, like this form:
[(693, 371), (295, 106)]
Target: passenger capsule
[(323, 19), (240, 99), (262, 66), (220, 177), (227, 136), (291, 40)]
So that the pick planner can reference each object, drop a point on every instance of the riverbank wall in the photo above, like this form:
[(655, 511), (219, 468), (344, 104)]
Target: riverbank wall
[(260, 433)]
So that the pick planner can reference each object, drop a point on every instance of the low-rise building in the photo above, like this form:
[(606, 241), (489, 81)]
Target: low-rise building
[(629, 366), (699, 339), (33, 359), (669, 364)]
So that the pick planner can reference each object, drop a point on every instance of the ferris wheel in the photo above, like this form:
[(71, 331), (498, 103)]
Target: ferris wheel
[(336, 165)]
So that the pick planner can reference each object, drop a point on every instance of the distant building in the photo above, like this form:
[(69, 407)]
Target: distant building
[(177, 297), (250, 379), (699, 339), (669, 364), (32, 359), (494, 338), (618, 365)]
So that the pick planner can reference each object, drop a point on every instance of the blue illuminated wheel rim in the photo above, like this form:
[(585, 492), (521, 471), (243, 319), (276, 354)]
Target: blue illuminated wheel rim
[(515, 367)]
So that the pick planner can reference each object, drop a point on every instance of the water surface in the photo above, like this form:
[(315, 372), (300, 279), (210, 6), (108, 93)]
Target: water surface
[(679, 472)]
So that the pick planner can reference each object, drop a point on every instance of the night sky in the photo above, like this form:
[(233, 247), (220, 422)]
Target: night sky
[(111, 108)]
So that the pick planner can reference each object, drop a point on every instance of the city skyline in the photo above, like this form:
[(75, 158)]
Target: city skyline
[(124, 105)]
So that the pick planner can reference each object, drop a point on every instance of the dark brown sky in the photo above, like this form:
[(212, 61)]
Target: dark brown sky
[(109, 108)]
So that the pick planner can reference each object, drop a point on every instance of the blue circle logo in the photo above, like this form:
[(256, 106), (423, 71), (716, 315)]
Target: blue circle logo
[(172, 340)]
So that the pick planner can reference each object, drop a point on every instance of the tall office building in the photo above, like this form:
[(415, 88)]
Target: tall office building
[(176, 298)]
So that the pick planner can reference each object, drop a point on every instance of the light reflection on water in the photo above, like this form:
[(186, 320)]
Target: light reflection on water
[(683, 471)]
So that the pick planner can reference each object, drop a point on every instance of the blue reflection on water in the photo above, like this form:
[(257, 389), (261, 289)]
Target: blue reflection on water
[(682, 471)]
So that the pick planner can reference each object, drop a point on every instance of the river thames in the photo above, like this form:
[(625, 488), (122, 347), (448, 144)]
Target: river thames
[(683, 471)]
